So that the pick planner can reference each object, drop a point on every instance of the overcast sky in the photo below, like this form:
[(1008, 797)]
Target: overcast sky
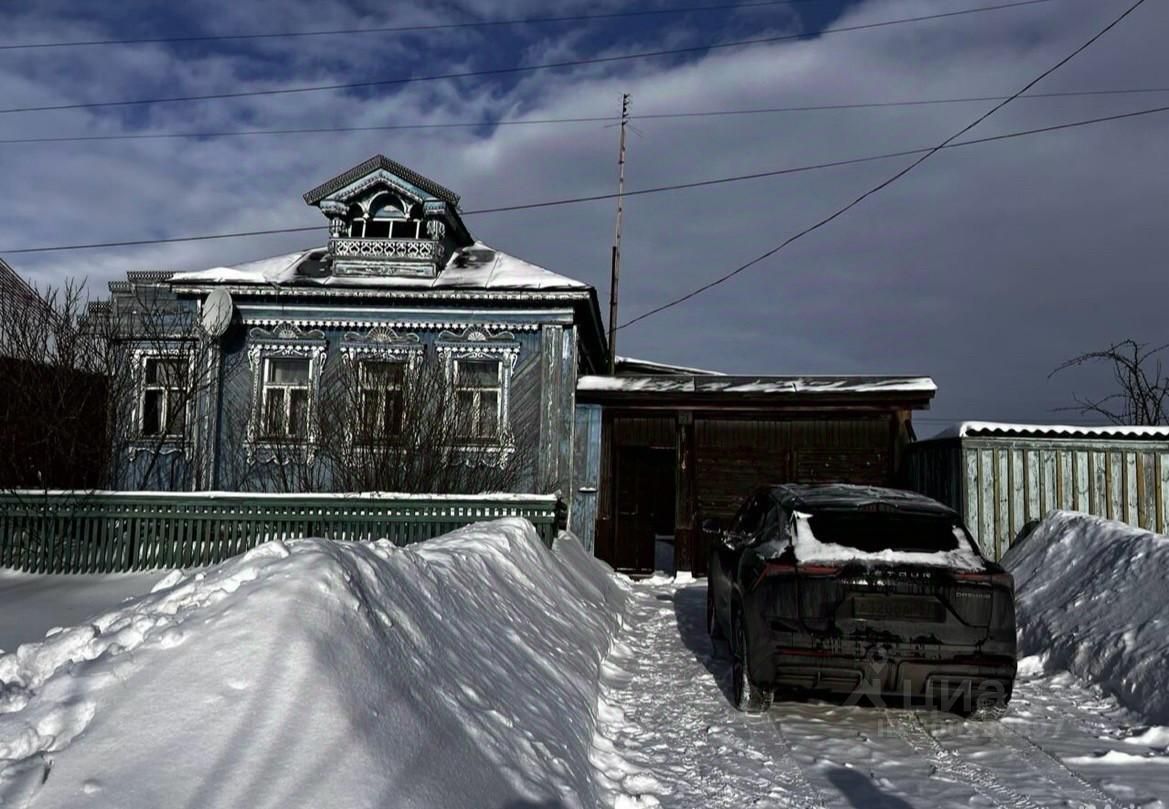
[(984, 268)]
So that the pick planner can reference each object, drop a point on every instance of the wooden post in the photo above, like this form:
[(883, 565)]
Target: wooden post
[(686, 543)]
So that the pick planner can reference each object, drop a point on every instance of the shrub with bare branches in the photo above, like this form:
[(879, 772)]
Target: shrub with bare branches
[(1142, 394)]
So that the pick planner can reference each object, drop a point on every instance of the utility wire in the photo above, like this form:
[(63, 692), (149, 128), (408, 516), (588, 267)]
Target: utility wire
[(575, 120), (887, 182), (639, 192), (519, 68), (403, 29)]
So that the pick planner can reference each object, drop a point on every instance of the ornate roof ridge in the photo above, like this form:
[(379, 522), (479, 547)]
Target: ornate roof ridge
[(381, 162)]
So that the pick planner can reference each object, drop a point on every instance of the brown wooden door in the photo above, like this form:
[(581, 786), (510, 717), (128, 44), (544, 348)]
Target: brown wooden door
[(644, 506)]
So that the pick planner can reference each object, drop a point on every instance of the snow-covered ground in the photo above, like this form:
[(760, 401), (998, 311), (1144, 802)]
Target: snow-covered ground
[(32, 604), (462, 672), (668, 736), (480, 670)]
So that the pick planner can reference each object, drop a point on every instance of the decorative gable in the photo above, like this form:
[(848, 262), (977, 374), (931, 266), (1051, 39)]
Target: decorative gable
[(387, 220)]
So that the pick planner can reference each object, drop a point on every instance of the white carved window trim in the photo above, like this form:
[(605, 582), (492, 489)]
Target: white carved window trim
[(477, 392), (287, 389), (477, 343), (285, 341), (383, 345), (165, 443)]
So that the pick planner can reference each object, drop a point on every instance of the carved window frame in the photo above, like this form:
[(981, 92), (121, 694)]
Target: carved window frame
[(166, 444), (284, 341), (379, 344), (478, 343)]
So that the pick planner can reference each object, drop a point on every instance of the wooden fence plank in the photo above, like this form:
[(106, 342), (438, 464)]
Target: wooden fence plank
[(89, 532)]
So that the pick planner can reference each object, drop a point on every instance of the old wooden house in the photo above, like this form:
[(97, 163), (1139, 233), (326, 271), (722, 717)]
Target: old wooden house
[(639, 456), (231, 387)]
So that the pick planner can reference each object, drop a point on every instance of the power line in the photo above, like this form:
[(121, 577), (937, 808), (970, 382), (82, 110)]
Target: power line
[(403, 29), (639, 192), (574, 120), (519, 68), (887, 182)]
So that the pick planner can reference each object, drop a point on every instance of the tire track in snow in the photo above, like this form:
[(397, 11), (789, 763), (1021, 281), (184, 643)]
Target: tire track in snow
[(806, 795), (667, 735), (909, 727), (1052, 765)]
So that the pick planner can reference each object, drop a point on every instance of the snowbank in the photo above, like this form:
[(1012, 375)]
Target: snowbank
[(1091, 599), (461, 672)]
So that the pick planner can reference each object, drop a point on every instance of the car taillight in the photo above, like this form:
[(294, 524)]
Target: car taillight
[(985, 579), (774, 569), (820, 570)]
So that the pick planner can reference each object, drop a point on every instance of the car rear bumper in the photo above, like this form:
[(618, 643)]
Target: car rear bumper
[(950, 676)]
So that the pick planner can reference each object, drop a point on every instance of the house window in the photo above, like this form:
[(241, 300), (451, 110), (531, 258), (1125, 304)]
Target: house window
[(477, 394), (163, 406), (285, 398), (407, 229), (380, 384)]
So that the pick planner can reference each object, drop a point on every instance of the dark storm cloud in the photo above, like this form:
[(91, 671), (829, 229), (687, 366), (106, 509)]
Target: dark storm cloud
[(985, 267)]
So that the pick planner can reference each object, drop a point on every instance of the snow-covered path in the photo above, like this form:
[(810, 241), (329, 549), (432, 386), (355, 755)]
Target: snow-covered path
[(668, 736)]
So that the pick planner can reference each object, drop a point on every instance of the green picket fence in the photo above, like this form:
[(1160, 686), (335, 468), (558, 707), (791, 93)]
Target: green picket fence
[(102, 532)]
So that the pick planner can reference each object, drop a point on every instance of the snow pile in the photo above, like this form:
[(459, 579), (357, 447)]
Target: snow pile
[(461, 672), (1091, 599), (809, 548)]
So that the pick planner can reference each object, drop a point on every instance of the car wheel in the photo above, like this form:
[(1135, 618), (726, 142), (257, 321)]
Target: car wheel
[(748, 698), (712, 628)]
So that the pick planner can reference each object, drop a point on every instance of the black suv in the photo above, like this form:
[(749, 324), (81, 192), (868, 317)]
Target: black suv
[(861, 591)]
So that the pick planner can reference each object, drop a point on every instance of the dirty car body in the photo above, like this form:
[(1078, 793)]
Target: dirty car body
[(861, 591)]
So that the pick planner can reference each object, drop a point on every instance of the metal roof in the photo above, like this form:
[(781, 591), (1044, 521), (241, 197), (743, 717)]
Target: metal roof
[(994, 429), (758, 385), (381, 162)]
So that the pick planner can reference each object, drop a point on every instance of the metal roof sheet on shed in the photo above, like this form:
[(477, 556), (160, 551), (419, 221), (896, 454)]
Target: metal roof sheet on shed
[(764, 385), (995, 429)]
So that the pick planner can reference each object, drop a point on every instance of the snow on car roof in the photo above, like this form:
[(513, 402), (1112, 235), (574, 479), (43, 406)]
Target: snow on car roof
[(809, 548), (972, 429)]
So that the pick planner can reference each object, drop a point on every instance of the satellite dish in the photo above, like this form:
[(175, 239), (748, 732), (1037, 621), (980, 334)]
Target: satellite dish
[(217, 311)]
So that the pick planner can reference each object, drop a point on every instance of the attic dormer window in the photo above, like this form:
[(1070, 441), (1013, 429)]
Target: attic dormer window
[(386, 220)]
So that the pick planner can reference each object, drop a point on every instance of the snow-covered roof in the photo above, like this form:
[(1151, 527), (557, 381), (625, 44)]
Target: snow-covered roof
[(627, 364), (476, 267), (758, 384), (972, 429)]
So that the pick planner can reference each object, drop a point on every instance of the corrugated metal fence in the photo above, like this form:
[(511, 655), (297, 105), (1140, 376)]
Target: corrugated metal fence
[(999, 484), (92, 532)]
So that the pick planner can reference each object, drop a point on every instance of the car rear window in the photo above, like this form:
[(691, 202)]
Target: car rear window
[(876, 532)]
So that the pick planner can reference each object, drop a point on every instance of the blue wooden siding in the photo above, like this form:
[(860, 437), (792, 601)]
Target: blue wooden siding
[(586, 464), (541, 393)]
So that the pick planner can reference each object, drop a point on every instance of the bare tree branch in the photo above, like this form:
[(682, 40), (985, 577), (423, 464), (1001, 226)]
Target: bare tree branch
[(1143, 389)]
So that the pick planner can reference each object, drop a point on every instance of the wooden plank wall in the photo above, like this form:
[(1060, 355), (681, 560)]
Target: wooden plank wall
[(586, 470), (736, 455)]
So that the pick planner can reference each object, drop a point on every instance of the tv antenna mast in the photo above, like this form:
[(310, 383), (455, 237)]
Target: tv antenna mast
[(616, 259)]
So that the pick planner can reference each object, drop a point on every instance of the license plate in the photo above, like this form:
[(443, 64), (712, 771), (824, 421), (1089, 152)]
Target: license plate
[(897, 608)]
